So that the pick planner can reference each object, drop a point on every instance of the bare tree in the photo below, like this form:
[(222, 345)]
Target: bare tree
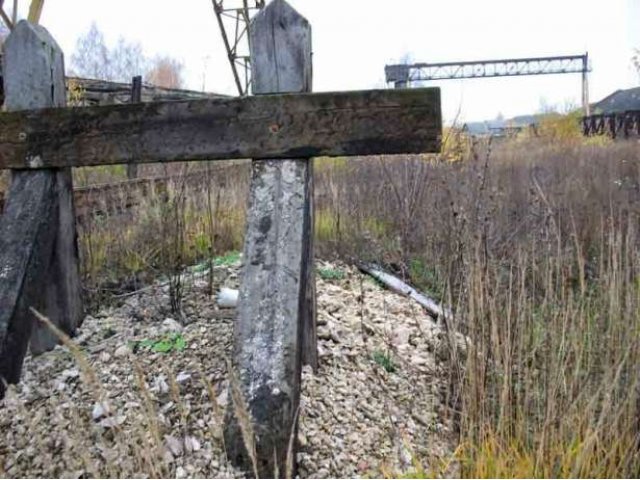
[(127, 60), (94, 59), (166, 72), (91, 56)]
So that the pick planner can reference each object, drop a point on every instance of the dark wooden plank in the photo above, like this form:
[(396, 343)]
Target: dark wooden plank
[(38, 206), (264, 126), (276, 313), (27, 232)]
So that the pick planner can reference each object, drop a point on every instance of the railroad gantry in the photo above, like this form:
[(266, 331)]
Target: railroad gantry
[(402, 75)]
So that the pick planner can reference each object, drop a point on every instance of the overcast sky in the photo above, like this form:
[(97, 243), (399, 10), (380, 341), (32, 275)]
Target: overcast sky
[(354, 39)]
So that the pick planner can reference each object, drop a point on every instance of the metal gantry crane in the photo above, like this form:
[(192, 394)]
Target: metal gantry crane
[(234, 18), (402, 74)]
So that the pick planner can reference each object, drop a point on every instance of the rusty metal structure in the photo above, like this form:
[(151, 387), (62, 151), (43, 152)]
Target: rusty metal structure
[(614, 125), (234, 19), (402, 75)]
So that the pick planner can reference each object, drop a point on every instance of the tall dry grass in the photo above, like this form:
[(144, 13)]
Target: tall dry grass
[(532, 242), (125, 247), (535, 246)]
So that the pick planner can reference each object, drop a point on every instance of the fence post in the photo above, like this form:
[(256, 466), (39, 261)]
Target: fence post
[(275, 324), (38, 248), (136, 97)]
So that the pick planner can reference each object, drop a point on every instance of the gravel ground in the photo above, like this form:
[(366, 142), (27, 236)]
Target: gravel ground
[(112, 406)]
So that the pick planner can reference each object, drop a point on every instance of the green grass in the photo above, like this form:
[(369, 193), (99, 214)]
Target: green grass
[(426, 279), (331, 274), (174, 342), (227, 259), (385, 361)]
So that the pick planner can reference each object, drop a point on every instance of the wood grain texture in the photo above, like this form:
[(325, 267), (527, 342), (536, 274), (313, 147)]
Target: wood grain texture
[(282, 53), (34, 78), (275, 308), (265, 126), (27, 232)]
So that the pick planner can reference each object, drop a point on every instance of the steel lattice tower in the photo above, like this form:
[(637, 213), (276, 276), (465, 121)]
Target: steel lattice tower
[(234, 17)]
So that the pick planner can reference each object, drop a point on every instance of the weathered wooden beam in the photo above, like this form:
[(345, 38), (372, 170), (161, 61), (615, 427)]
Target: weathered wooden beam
[(38, 250), (263, 126), (276, 309), (27, 232)]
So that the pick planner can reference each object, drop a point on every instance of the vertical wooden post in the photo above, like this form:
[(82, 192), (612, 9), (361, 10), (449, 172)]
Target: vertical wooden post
[(275, 324), (136, 97), (38, 247)]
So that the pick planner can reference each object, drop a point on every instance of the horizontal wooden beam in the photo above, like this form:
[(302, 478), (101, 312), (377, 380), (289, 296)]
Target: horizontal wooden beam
[(264, 126)]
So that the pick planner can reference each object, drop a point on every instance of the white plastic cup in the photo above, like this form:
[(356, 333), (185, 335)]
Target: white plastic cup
[(228, 298)]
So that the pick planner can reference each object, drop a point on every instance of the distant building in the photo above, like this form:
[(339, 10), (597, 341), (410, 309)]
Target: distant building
[(618, 101)]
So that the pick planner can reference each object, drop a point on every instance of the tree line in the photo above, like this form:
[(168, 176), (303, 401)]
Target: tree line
[(94, 58)]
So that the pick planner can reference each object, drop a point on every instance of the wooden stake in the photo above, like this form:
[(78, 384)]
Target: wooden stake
[(136, 97), (38, 250), (276, 311)]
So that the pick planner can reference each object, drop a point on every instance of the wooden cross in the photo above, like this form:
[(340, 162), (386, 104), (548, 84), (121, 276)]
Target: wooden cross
[(281, 127)]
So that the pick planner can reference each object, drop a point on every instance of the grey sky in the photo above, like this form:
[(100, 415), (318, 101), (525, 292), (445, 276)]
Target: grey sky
[(353, 39)]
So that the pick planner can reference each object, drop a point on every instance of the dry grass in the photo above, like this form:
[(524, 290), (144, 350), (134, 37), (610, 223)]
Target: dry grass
[(124, 248), (533, 243), (535, 246)]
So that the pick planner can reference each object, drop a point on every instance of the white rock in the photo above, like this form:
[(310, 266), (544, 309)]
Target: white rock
[(167, 456), (174, 445), (181, 473), (183, 377), (160, 385), (112, 422), (100, 410), (70, 373), (223, 398), (191, 444), (322, 318), (170, 325), (122, 351), (324, 334)]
